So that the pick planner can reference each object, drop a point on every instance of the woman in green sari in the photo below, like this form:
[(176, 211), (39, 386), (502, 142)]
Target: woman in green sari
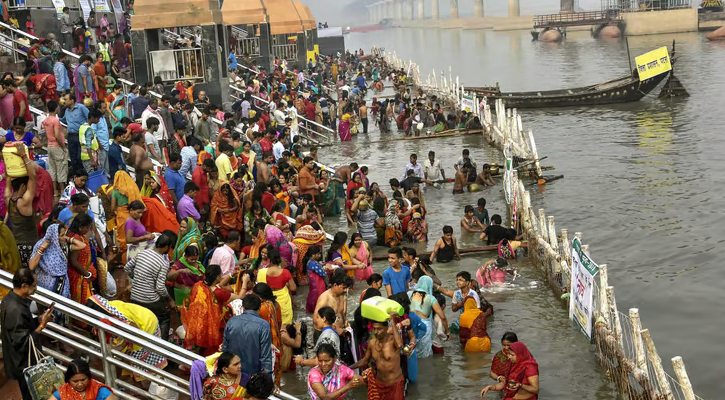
[(327, 198), (188, 234), (190, 270), (117, 107)]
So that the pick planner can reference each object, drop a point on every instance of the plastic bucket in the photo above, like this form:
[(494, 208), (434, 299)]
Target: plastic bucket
[(96, 179), (14, 165)]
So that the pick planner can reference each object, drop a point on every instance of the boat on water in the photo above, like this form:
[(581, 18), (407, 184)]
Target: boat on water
[(621, 90)]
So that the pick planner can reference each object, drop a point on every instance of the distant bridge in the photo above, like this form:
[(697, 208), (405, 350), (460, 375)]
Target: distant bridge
[(577, 19)]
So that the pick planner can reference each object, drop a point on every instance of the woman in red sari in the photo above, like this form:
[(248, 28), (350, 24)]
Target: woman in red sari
[(81, 267), (226, 211), (522, 381), (203, 313), (80, 385), (501, 364), (160, 215)]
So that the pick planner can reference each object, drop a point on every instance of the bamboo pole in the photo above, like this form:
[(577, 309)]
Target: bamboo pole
[(615, 316), (565, 246), (534, 153), (656, 361), (578, 235), (636, 322), (681, 373), (552, 234), (542, 225), (603, 284), (585, 249)]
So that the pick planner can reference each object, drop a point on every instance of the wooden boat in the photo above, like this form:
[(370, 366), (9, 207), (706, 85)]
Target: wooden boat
[(622, 90)]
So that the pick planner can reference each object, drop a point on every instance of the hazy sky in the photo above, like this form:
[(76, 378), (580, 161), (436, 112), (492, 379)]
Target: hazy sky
[(334, 11)]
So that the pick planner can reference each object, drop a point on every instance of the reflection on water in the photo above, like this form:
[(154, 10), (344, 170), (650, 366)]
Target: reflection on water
[(643, 181)]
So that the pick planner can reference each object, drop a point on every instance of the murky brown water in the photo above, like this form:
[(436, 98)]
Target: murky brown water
[(643, 183)]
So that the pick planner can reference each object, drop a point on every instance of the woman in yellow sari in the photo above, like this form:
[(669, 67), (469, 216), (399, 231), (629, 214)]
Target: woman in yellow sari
[(339, 254), (125, 191), (473, 328), (281, 282)]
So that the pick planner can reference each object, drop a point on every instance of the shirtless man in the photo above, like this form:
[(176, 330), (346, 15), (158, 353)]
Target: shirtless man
[(384, 347), (334, 297), (363, 113), (264, 174), (461, 180), (345, 172), (138, 158)]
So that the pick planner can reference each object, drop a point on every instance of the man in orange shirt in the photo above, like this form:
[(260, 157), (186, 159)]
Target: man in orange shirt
[(307, 179)]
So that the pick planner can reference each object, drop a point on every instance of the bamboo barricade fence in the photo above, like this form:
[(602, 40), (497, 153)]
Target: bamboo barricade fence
[(624, 348)]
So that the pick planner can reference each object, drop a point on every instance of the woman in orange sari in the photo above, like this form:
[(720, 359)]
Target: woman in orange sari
[(226, 211), (125, 191), (473, 328), (79, 384), (202, 314), (305, 237), (160, 215), (272, 313), (81, 266)]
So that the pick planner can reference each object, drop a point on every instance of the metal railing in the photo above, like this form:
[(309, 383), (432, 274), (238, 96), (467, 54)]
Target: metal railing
[(646, 5), (285, 51), (99, 348), (248, 46), (173, 65), (590, 17)]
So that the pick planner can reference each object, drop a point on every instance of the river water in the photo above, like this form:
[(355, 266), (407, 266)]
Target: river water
[(641, 182)]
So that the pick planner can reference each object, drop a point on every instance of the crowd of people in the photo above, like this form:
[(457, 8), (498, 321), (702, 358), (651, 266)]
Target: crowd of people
[(216, 227)]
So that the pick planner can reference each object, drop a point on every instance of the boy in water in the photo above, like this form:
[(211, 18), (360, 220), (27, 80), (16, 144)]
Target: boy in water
[(461, 179), (470, 223)]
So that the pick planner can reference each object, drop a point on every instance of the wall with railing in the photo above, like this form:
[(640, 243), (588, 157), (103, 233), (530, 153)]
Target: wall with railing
[(624, 348)]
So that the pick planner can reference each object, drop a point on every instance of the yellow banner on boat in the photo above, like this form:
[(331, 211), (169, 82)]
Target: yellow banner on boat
[(653, 63)]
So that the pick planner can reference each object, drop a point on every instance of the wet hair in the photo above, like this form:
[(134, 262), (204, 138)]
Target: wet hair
[(496, 219), (136, 205), (374, 278), (410, 251), (260, 385), (396, 250), (337, 242), (340, 277), (17, 182), (24, 276), (510, 337), (394, 182), (78, 366), (417, 274), (465, 275), (274, 257), (468, 209), (447, 229), (224, 360), (402, 299), (80, 221), (313, 250), (264, 291), (326, 348), (328, 314)]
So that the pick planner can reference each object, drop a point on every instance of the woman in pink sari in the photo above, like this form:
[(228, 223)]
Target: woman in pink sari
[(360, 251), (286, 249), (344, 128)]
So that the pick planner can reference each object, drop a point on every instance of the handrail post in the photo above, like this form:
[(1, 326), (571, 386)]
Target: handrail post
[(109, 370)]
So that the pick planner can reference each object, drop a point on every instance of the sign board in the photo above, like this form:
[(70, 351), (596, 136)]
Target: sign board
[(102, 7), (118, 12), (467, 103), (583, 270), (86, 8), (59, 6), (653, 63)]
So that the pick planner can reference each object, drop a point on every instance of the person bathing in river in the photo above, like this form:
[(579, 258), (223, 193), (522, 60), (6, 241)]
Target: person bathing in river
[(388, 382), (485, 178), (446, 247), (495, 232), (493, 271), (522, 380), (461, 179), (470, 223)]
